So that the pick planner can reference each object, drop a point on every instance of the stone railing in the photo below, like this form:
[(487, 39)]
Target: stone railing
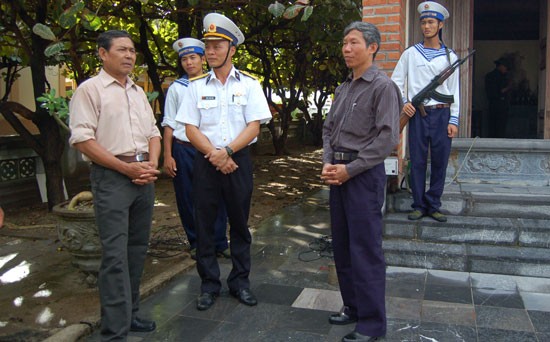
[(521, 162)]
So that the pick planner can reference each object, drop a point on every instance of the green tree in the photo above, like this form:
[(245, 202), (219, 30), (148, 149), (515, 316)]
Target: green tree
[(295, 50), (28, 40), (292, 47)]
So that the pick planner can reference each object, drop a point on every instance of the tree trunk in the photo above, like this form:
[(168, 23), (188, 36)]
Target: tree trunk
[(152, 69), (53, 153), (50, 137)]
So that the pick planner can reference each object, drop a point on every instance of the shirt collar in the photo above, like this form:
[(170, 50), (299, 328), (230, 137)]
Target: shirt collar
[(107, 79), (368, 75), (232, 73)]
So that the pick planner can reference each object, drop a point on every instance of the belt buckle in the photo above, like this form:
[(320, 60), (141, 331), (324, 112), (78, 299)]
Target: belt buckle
[(339, 155), (140, 157)]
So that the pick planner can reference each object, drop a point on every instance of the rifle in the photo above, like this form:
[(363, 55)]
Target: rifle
[(428, 92)]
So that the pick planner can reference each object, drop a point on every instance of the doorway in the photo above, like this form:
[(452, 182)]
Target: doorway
[(507, 69)]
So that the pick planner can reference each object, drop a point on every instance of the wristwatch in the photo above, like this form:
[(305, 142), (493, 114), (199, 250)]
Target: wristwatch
[(229, 151)]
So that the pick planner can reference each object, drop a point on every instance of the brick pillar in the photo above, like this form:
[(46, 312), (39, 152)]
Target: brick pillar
[(390, 17)]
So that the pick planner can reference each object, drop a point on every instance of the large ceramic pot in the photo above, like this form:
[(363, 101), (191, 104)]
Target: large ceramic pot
[(77, 232)]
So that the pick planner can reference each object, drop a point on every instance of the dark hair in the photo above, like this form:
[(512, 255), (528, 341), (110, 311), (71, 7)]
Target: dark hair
[(105, 39), (370, 33)]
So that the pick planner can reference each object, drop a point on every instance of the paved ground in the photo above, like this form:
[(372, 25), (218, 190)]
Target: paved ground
[(290, 276)]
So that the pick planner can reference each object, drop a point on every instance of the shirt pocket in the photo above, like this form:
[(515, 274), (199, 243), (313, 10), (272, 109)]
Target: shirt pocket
[(361, 119), (209, 111), (237, 108)]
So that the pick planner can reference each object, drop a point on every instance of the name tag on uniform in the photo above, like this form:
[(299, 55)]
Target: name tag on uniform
[(208, 98)]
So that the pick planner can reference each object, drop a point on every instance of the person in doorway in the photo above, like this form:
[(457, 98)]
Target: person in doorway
[(361, 130), (430, 134), (113, 125), (498, 86), (222, 112), (179, 153)]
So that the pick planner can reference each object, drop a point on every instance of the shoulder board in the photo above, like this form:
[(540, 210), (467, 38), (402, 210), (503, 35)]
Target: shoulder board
[(198, 77), (182, 81), (249, 75)]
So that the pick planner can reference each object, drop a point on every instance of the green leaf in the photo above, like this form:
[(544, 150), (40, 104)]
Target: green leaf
[(277, 9), (77, 7), (92, 22), (43, 31), (67, 20), (292, 11), (307, 13), (193, 2), (54, 49), (151, 96), (144, 1)]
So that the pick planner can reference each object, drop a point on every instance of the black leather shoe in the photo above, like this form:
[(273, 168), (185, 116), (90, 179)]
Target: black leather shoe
[(245, 296), (357, 337), (341, 319), (205, 301), (142, 325)]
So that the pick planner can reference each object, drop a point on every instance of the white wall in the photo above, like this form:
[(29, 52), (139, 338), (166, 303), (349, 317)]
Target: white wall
[(22, 92)]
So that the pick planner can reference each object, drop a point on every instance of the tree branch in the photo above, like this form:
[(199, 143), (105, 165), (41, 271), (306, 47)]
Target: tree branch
[(8, 110)]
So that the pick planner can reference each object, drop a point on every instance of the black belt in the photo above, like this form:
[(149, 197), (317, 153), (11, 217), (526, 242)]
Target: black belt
[(140, 157), (345, 156), (183, 142), (438, 106)]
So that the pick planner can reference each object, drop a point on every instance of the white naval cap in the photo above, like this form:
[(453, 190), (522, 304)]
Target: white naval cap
[(186, 46), (431, 9), (217, 26)]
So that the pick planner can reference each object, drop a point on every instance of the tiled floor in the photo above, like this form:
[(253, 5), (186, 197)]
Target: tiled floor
[(296, 298)]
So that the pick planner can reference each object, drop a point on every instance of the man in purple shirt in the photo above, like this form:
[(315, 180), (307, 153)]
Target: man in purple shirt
[(360, 131)]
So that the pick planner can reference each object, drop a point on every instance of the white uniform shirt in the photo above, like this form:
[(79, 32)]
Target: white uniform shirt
[(222, 111), (418, 66), (173, 100)]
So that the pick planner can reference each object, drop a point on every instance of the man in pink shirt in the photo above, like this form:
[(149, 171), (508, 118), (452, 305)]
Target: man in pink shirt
[(113, 125)]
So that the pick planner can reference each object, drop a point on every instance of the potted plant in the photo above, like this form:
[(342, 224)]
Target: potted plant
[(78, 233)]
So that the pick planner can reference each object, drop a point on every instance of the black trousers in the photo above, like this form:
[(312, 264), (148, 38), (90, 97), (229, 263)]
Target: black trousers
[(209, 186), (123, 212)]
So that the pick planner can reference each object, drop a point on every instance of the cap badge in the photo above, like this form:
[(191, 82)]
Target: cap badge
[(426, 7), (212, 28)]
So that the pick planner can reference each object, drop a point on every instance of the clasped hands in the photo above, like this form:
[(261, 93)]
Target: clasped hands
[(222, 161), (142, 173), (334, 174)]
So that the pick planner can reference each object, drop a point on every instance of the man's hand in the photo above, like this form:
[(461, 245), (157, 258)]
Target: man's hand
[(170, 166), (409, 109), (452, 130), (218, 158), (334, 174), (230, 166), (142, 173)]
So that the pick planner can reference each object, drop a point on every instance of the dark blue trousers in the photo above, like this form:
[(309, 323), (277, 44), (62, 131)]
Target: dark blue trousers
[(429, 133), (235, 189), (356, 224), (123, 213), (183, 185)]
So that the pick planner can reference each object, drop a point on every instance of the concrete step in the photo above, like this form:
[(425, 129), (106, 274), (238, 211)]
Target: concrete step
[(484, 200), (524, 261), (514, 246), (471, 230)]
